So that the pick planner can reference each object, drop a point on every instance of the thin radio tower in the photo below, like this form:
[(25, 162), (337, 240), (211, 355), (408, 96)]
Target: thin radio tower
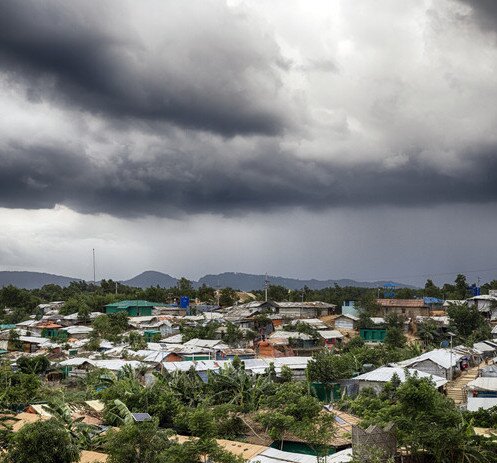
[(266, 284), (94, 277)]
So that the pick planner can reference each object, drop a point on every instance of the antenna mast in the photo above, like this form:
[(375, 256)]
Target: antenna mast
[(94, 277)]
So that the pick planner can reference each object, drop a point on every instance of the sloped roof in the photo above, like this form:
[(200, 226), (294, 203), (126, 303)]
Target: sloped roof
[(385, 374), (441, 357), (483, 384), (330, 334), (134, 303), (412, 303)]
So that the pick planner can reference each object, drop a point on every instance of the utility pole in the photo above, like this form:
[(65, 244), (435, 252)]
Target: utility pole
[(94, 277)]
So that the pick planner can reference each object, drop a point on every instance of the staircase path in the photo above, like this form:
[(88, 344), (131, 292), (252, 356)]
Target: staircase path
[(456, 389)]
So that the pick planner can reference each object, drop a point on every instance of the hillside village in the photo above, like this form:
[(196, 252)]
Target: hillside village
[(260, 379)]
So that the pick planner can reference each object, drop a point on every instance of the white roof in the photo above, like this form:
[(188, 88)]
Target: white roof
[(309, 321), (281, 334), (483, 347), (78, 329), (34, 340), (330, 334), (150, 356), (271, 455), (116, 364), (352, 317), (175, 339), (483, 297), (494, 330), (377, 320), (28, 323), (384, 374), (449, 302), (208, 343), (483, 384), (441, 357), (75, 362), (475, 403)]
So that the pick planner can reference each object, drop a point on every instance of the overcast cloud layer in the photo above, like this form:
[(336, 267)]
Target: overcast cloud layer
[(194, 109)]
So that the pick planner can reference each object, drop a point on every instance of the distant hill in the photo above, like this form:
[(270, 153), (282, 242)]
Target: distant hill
[(247, 282), (151, 278), (241, 281), (33, 280)]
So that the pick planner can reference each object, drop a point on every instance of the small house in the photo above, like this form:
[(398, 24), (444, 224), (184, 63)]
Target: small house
[(346, 322), (377, 379), (482, 393), (331, 337), (373, 334), (138, 308)]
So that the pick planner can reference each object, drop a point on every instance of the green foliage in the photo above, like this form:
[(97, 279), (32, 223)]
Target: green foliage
[(17, 387), (207, 331), (468, 321), (277, 293), (432, 290), (137, 443), (227, 297), (355, 343), (326, 367), (395, 337), (37, 365), (427, 422), (110, 326), (233, 335), (137, 341), (42, 442)]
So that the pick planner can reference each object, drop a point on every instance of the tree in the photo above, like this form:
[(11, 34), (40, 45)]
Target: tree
[(42, 442), (17, 387), (233, 335), (36, 365), (432, 290), (395, 337), (137, 341), (227, 297), (185, 287), (326, 367), (277, 293), (110, 326), (461, 286), (137, 443), (14, 342), (467, 320), (428, 332)]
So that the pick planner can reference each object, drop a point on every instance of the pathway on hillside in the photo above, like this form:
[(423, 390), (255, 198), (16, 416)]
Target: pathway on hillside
[(456, 389)]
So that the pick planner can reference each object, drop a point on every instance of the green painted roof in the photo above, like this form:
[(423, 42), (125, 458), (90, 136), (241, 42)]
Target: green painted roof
[(138, 303)]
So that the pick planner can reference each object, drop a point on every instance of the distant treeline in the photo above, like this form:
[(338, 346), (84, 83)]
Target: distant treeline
[(88, 297)]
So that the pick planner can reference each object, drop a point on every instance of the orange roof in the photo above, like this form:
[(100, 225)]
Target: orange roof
[(48, 325), (401, 302)]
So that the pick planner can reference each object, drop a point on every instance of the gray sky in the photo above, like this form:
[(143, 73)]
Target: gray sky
[(326, 139)]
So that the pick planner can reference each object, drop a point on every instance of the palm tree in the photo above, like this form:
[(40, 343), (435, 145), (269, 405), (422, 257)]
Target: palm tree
[(81, 433)]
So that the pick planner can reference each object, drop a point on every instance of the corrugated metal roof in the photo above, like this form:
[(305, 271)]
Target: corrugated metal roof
[(384, 374), (401, 303), (330, 334), (483, 384), (441, 357)]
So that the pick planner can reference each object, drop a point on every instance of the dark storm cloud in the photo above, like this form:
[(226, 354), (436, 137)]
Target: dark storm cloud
[(484, 12), (206, 68), (177, 184)]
